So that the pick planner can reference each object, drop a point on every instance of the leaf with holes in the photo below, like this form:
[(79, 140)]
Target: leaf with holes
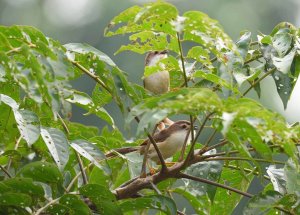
[(57, 144), (92, 153)]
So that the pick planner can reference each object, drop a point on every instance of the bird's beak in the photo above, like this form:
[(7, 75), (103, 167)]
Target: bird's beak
[(164, 52)]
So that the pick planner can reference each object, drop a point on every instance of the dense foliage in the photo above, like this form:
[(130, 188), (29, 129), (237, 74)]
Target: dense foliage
[(51, 165)]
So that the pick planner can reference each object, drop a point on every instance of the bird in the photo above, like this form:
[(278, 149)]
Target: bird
[(169, 141), (159, 82)]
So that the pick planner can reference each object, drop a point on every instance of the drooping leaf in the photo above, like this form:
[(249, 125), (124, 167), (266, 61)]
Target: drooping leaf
[(226, 200), (157, 202), (28, 125), (57, 144), (74, 204), (41, 171), (26, 186), (85, 49), (265, 203), (243, 43), (15, 199), (92, 153)]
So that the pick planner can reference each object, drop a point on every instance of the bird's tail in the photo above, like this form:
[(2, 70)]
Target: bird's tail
[(122, 151)]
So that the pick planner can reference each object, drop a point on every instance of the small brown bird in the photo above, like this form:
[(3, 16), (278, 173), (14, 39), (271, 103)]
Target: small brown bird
[(159, 82), (169, 141)]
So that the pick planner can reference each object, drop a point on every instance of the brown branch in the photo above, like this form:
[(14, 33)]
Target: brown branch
[(182, 175)]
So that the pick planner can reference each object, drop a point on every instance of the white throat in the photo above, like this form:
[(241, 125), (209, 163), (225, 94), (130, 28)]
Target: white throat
[(156, 58)]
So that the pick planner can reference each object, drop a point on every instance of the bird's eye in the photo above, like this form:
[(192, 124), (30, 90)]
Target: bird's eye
[(156, 52), (184, 126)]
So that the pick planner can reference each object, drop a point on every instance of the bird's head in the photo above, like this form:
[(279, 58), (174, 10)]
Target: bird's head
[(154, 56), (181, 125)]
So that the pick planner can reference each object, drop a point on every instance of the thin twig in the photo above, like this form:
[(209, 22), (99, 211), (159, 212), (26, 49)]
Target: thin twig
[(242, 158), (5, 171), (15, 148), (182, 60), (247, 170), (253, 59), (75, 178), (183, 175), (95, 77), (39, 211), (79, 160), (222, 143), (191, 152), (259, 80), (160, 157)]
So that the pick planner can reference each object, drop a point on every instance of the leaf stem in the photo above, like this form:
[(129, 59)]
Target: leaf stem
[(5, 171), (15, 148), (93, 76), (183, 175), (242, 158), (259, 80), (79, 160), (182, 60), (39, 211)]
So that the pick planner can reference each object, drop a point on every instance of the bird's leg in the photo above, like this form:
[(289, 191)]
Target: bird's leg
[(143, 171), (151, 169)]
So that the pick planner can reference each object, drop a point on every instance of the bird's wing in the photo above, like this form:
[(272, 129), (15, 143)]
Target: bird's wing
[(158, 137)]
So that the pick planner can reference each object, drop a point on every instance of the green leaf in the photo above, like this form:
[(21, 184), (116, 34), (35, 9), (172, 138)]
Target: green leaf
[(283, 86), (57, 144), (28, 124), (225, 200), (92, 153), (41, 171), (243, 43), (282, 41), (15, 199), (146, 41), (58, 209), (283, 64), (184, 101), (200, 204), (95, 191), (75, 205), (292, 175), (200, 54), (215, 79), (210, 170), (266, 201), (9, 101), (158, 202), (26, 186), (84, 101), (83, 48)]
